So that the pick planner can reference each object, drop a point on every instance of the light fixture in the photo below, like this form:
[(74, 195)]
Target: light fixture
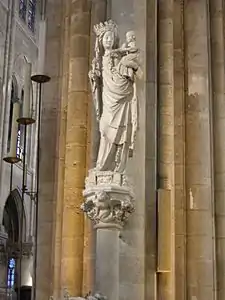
[(12, 158)]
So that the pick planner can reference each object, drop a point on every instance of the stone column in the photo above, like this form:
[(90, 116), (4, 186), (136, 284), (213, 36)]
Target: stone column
[(107, 262), (179, 155), (200, 213), (165, 147), (75, 153), (48, 154), (108, 202), (98, 14), (218, 89), (65, 36)]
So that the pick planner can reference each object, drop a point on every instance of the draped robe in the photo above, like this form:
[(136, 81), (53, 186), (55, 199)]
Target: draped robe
[(116, 119)]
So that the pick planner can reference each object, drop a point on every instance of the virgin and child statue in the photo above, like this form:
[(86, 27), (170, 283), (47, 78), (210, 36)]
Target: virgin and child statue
[(112, 78)]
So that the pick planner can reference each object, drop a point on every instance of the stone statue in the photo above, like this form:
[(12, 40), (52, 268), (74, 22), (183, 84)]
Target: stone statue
[(112, 78)]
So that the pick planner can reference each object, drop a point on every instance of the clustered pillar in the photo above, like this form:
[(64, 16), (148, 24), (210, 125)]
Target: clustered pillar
[(75, 152), (200, 260), (165, 148), (218, 89)]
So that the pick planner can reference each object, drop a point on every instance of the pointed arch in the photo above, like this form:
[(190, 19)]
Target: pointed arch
[(12, 215), (13, 98)]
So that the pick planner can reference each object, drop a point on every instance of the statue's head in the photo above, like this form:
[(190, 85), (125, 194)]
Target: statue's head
[(106, 35), (130, 36), (108, 40)]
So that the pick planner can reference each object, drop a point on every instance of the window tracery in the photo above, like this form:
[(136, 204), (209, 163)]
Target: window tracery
[(31, 14), (27, 10), (23, 9)]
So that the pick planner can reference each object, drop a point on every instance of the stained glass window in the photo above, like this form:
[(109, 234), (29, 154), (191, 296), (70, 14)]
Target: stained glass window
[(18, 148), (23, 9), (11, 273), (10, 116), (31, 14), (13, 99), (19, 145)]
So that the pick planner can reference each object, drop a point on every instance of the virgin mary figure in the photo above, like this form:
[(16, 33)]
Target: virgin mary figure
[(114, 96)]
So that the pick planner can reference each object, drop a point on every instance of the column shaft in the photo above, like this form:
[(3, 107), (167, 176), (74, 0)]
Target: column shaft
[(57, 237), (98, 14), (200, 220), (218, 88), (179, 154), (107, 263), (48, 146), (166, 133), (75, 154)]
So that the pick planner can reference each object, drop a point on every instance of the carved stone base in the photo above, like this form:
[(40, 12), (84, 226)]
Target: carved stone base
[(108, 199), (66, 296)]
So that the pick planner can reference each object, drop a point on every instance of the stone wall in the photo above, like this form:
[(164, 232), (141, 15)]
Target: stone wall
[(16, 42), (173, 245)]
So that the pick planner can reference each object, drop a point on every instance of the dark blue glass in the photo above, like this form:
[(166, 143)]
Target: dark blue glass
[(11, 273), (31, 14), (23, 9)]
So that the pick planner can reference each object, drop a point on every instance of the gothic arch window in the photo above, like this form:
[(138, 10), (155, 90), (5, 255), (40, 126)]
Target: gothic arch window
[(11, 217), (13, 99), (19, 148), (11, 222)]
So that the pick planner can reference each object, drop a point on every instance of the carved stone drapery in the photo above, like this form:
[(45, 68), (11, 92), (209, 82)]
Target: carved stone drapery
[(108, 199), (113, 83)]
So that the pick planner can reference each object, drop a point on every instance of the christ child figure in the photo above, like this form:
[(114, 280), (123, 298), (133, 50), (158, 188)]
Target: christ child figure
[(128, 65)]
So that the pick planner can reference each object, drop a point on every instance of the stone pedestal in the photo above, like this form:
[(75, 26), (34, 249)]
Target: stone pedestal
[(108, 199), (108, 203)]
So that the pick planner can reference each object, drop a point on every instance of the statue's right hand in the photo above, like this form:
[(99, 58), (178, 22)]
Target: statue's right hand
[(92, 75)]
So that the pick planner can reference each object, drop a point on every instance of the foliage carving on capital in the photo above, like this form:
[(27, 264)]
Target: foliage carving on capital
[(108, 199)]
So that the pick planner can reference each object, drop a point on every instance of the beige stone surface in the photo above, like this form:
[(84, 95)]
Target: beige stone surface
[(165, 280), (75, 152), (182, 110), (200, 222), (218, 60)]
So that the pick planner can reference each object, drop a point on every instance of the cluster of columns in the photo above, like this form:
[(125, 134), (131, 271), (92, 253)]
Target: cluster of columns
[(191, 161), (69, 253), (191, 148)]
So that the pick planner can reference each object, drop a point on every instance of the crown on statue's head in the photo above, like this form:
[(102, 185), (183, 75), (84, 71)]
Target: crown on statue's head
[(101, 28)]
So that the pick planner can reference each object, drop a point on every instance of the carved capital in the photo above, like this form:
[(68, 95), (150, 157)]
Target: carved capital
[(108, 199)]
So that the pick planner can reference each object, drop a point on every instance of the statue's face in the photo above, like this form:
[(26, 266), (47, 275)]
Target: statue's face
[(108, 40), (130, 36)]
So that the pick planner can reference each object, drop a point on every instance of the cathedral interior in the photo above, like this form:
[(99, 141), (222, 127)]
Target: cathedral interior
[(112, 149)]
